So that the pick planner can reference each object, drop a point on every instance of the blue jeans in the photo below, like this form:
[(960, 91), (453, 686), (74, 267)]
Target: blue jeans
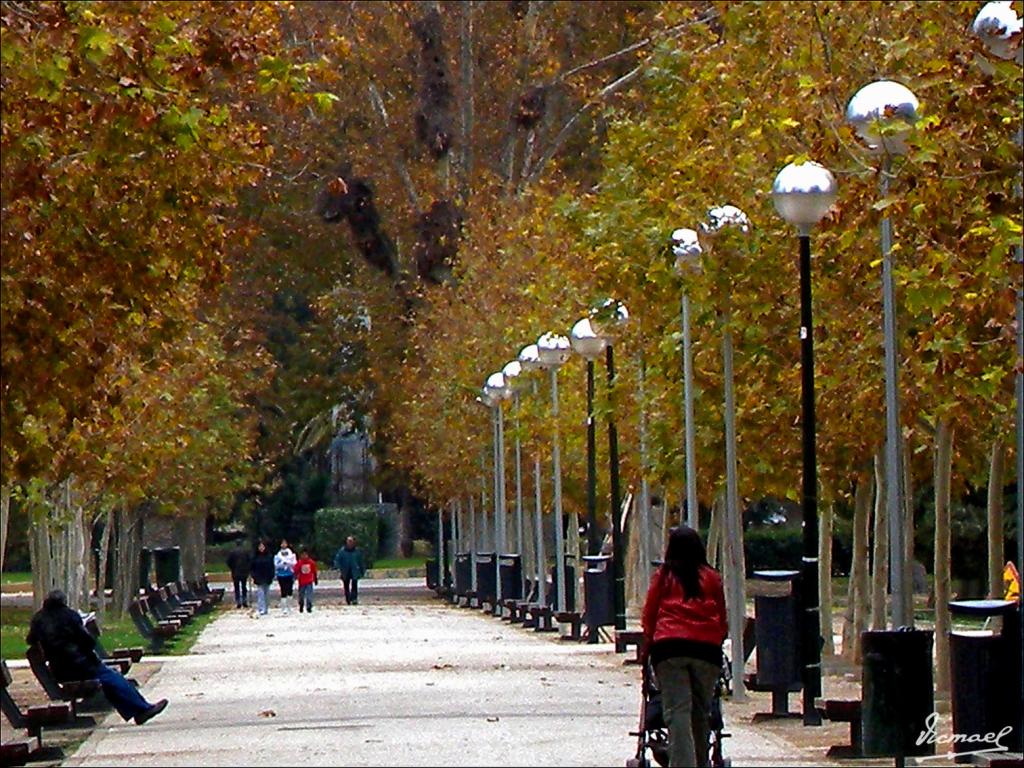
[(306, 597), (262, 598), (124, 697)]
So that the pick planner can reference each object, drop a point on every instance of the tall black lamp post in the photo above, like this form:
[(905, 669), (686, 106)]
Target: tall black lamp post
[(802, 195), (606, 317), (589, 346)]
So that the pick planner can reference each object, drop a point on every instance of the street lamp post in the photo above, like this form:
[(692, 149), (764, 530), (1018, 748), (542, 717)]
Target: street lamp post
[(802, 195), (687, 251), (997, 24), (498, 391), (719, 221), (553, 352), (530, 361), (590, 346), (881, 113), (606, 318), (512, 371)]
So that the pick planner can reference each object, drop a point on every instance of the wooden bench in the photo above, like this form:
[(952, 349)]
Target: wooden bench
[(845, 711), (624, 638), (179, 601), (154, 630), (575, 622), (18, 751), (202, 587), (73, 691), (133, 654), (157, 606), (543, 618), (34, 718)]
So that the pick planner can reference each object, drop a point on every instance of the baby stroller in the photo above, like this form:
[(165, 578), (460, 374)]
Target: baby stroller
[(653, 733)]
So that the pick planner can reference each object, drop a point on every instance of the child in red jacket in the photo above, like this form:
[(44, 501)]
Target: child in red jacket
[(306, 576)]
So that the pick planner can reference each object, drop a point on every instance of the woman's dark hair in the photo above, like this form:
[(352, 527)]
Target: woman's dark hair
[(684, 556)]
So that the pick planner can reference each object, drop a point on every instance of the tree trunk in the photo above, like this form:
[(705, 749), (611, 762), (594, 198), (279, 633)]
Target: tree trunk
[(466, 68), (825, 577), (714, 530), (880, 558), (101, 576), (858, 598), (190, 533), (5, 516), (995, 520), (126, 563), (943, 473), (908, 530)]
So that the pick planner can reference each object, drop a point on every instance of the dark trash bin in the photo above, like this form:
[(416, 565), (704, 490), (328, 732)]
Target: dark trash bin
[(897, 692), (167, 564), (985, 676), (511, 566), (777, 624), (486, 578), (598, 593), (431, 568), (145, 566), (463, 573)]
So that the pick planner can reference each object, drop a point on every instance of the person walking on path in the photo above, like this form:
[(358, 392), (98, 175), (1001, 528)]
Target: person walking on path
[(71, 651), (239, 562), (284, 566), (684, 625), (262, 576), (306, 577), (349, 562)]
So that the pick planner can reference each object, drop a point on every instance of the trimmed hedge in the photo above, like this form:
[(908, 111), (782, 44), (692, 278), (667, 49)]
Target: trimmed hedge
[(781, 548), (332, 525)]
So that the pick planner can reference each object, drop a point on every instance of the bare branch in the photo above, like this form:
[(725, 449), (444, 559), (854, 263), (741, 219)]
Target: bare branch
[(400, 168), (600, 96), (669, 33)]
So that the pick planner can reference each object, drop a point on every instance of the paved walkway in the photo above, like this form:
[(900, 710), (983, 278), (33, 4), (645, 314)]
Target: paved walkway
[(401, 679)]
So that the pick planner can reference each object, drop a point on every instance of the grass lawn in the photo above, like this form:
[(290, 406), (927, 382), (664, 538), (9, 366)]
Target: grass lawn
[(16, 577), (417, 561), (117, 633)]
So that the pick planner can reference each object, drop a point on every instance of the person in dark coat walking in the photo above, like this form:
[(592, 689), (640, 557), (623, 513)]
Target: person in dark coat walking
[(349, 562), (262, 576), (71, 652), (240, 564)]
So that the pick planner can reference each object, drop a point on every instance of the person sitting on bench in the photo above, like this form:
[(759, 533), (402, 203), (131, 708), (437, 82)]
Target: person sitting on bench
[(71, 653)]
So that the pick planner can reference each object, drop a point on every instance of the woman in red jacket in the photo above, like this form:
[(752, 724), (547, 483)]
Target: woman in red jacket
[(684, 624)]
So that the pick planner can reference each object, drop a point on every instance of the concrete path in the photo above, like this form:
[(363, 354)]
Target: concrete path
[(401, 679)]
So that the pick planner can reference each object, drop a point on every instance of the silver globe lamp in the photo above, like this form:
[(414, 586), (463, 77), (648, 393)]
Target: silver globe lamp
[(882, 113)]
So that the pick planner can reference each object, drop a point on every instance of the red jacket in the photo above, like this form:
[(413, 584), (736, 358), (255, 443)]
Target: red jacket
[(305, 571), (667, 615)]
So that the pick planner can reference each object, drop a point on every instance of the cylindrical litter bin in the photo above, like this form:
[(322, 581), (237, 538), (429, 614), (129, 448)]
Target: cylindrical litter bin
[(777, 624), (897, 694), (431, 569), (486, 578), (985, 676), (511, 566), (777, 632), (599, 593), (167, 564), (145, 565)]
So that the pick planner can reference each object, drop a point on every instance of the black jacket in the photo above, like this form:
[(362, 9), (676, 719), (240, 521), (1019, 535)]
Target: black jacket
[(68, 646), (240, 563), (263, 569)]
